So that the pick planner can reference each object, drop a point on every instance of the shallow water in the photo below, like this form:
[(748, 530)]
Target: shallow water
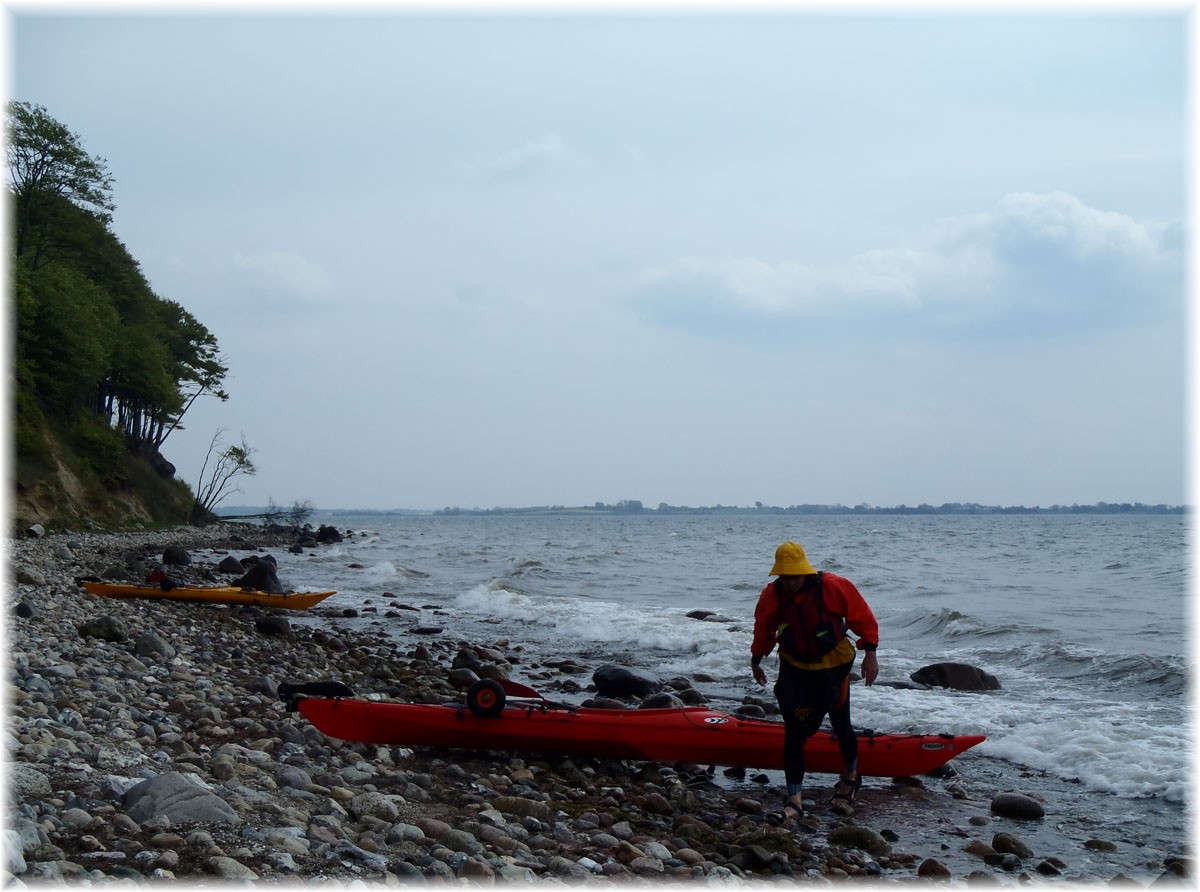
[(1080, 617)]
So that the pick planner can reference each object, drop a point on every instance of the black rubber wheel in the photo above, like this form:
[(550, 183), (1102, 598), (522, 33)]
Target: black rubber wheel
[(486, 698)]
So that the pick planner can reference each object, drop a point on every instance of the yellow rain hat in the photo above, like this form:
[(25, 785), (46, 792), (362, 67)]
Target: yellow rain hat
[(791, 561)]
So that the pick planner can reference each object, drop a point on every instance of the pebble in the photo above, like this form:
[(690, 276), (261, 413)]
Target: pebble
[(148, 743)]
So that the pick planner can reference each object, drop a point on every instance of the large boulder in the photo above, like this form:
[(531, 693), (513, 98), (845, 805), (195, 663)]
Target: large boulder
[(328, 534), (262, 576), (150, 643), (957, 676), (272, 624), (612, 680), (106, 627), (182, 801), (161, 466), (230, 564)]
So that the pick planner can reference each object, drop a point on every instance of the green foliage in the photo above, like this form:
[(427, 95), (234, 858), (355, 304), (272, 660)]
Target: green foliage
[(48, 168), (90, 331), (67, 330), (100, 449), (29, 429)]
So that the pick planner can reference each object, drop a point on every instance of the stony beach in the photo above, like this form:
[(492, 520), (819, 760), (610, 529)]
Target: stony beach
[(146, 740)]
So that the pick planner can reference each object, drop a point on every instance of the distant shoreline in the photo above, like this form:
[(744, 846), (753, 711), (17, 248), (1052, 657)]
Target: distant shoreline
[(635, 508)]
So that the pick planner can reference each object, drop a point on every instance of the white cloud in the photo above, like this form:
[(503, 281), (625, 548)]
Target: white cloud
[(537, 155), (284, 275), (1034, 254), (1066, 223)]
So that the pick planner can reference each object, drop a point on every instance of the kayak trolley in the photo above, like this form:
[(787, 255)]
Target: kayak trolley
[(486, 698)]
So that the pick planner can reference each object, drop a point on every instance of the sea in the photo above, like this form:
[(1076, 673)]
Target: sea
[(1083, 618)]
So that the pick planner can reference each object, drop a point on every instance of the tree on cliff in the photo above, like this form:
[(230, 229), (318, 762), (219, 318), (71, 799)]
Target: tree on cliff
[(95, 346), (48, 169)]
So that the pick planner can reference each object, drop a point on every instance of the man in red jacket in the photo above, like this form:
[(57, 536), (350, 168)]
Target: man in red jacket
[(807, 614)]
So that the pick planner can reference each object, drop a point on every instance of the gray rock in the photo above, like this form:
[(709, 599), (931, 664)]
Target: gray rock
[(522, 807), (76, 818), (511, 873), (27, 609), (106, 627), (461, 841), (931, 867), (272, 624), (956, 676), (375, 805), (30, 576), (612, 680), (476, 870), (860, 838), (14, 861), (174, 796), (263, 684), (1007, 843), (345, 848), (176, 555), (409, 874), (229, 868), (283, 861), (462, 678), (150, 643), (657, 850), (261, 576), (27, 782), (230, 564), (564, 867), (292, 776), (1018, 806)]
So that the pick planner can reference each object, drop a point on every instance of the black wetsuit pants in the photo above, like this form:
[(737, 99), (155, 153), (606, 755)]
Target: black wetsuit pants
[(805, 697)]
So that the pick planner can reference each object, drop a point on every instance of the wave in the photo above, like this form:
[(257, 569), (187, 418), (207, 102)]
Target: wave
[(1123, 675), (1135, 673), (527, 567), (953, 625)]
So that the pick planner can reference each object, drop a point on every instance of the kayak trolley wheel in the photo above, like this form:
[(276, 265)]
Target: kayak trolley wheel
[(486, 698)]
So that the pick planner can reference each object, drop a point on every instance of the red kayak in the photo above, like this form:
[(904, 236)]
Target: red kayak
[(680, 734)]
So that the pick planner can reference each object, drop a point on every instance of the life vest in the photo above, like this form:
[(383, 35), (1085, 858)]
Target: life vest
[(808, 630)]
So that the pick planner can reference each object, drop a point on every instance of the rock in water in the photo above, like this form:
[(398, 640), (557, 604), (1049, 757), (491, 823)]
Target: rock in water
[(957, 676), (1018, 806), (262, 576)]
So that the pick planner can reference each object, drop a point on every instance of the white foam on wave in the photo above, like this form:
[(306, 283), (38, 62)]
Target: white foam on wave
[(381, 572), (1112, 747), (1127, 757), (589, 622)]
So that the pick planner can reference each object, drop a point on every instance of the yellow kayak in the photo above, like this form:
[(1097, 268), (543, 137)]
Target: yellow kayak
[(206, 594)]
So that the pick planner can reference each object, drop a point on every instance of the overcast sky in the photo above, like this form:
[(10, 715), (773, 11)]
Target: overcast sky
[(708, 258)]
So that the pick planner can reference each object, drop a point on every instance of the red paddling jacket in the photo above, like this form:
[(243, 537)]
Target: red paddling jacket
[(821, 613)]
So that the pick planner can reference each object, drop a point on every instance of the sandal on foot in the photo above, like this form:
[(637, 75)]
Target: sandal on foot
[(786, 816), (844, 795)]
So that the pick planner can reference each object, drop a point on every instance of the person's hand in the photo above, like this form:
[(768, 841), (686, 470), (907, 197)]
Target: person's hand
[(870, 668), (759, 676)]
